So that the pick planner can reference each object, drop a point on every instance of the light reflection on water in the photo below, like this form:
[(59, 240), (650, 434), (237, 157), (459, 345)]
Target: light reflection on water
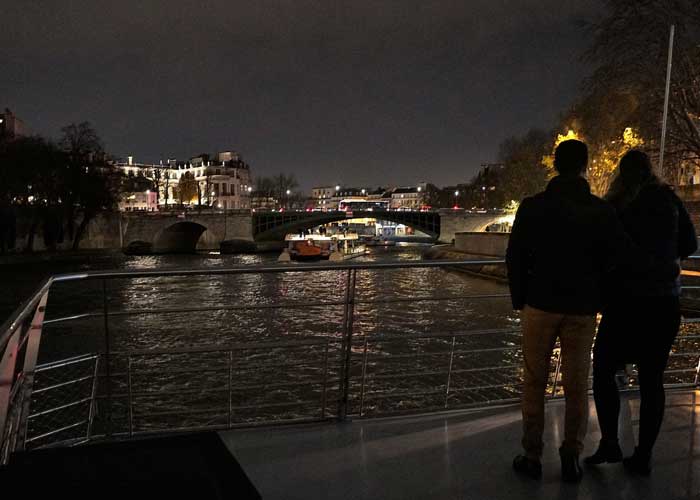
[(219, 327)]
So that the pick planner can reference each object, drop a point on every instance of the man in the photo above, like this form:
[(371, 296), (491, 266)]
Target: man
[(563, 241)]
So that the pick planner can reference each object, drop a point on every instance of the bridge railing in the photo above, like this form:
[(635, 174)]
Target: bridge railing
[(107, 372)]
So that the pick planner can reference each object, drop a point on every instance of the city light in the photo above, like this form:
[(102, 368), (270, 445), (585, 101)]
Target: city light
[(337, 188), (419, 189), (288, 192)]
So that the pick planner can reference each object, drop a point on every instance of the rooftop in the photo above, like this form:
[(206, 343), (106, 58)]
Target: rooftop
[(461, 455)]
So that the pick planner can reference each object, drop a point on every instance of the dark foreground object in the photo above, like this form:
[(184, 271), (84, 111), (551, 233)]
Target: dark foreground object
[(192, 466)]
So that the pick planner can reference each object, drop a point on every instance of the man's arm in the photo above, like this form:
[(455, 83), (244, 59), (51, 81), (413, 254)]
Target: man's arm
[(517, 256)]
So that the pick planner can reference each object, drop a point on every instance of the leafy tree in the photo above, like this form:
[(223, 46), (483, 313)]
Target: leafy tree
[(523, 172), (187, 188), (94, 185), (626, 89)]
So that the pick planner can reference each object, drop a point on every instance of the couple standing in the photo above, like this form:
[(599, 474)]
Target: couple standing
[(571, 255)]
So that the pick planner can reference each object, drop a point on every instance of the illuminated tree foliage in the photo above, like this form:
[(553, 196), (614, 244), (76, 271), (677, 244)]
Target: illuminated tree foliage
[(604, 156)]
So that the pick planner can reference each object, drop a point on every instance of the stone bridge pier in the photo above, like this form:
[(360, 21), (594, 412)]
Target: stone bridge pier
[(183, 232), (461, 221)]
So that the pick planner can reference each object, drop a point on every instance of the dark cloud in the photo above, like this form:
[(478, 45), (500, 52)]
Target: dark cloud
[(368, 91)]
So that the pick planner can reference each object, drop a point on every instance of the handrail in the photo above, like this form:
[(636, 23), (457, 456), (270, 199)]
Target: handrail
[(25, 309)]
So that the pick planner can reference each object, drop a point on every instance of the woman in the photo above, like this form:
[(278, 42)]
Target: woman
[(642, 315)]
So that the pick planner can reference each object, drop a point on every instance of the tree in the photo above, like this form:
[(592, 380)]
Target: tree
[(157, 176), (94, 184), (33, 176), (626, 89), (523, 172), (187, 188)]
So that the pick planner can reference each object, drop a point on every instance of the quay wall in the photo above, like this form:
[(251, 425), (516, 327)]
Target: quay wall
[(485, 244)]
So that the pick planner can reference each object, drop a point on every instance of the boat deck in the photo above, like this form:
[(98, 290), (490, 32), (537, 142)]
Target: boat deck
[(465, 455)]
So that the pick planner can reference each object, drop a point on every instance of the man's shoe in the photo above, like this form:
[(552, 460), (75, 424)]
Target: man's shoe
[(638, 463), (570, 469), (527, 467), (607, 453)]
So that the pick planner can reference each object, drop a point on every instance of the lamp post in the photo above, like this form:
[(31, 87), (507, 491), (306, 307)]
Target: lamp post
[(456, 195), (287, 199)]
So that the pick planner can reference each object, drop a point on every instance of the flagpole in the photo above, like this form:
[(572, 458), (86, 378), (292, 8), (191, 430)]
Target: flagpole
[(668, 89)]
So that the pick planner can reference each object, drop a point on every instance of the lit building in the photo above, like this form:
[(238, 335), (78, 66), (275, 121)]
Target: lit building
[(321, 197), (408, 198), (221, 182), (145, 201)]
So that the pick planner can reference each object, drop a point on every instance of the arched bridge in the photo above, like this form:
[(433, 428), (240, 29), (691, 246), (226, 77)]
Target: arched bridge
[(168, 232), (275, 225)]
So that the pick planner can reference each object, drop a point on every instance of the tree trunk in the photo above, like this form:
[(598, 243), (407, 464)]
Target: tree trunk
[(81, 230)]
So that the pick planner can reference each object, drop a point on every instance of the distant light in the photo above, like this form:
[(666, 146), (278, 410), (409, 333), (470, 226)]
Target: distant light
[(250, 189), (219, 205), (364, 191), (288, 192), (419, 189), (148, 191), (456, 194), (337, 188)]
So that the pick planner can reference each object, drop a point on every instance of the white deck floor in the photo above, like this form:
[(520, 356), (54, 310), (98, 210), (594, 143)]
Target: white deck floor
[(461, 456)]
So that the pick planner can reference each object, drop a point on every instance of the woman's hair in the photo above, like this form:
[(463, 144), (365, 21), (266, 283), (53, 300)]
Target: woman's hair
[(633, 173)]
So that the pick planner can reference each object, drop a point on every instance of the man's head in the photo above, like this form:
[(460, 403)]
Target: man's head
[(571, 157)]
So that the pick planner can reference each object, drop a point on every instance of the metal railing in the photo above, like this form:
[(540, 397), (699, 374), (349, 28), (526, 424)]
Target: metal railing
[(115, 390)]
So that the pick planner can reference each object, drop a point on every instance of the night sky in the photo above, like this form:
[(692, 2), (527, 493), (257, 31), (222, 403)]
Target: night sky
[(362, 92)]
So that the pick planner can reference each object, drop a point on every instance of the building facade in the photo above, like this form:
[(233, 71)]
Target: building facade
[(408, 198), (321, 197), (218, 181)]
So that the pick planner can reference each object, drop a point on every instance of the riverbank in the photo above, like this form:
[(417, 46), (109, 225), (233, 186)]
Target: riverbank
[(496, 272)]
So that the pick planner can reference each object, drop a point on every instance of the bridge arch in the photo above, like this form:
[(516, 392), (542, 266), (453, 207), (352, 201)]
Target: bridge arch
[(181, 237), (274, 226)]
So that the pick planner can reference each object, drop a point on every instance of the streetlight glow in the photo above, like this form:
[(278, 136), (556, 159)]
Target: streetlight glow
[(456, 193), (288, 192)]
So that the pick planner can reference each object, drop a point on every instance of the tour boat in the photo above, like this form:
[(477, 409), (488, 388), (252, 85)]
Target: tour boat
[(322, 247)]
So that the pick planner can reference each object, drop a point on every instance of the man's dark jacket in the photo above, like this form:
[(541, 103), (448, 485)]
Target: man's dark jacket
[(564, 240), (659, 225)]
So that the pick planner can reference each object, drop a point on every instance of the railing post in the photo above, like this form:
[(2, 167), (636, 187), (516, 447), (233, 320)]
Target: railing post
[(30, 356), (449, 371), (93, 396), (230, 381), (8, 361), (364, 376), (129, 389), (346, 350), (325, 379), (108, 369)]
